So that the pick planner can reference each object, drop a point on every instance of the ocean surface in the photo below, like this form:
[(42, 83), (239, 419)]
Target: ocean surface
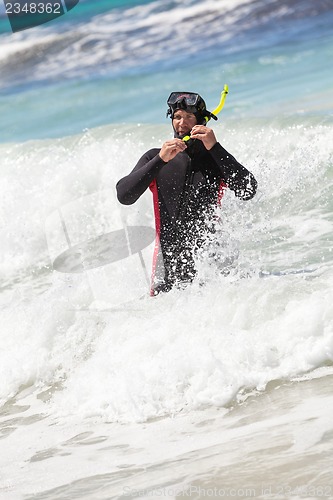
[(221, 390)]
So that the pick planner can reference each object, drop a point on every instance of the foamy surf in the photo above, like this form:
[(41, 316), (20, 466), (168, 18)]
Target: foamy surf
[(236, 333)]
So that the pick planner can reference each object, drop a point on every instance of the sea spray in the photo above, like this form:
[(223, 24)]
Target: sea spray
[(269, 319)]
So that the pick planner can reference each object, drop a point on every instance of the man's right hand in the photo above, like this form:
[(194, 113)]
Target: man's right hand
[(171, 148)]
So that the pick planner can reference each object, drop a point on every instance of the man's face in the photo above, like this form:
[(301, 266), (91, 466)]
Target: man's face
[(183, 122)]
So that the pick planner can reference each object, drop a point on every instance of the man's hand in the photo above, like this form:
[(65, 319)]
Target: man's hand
[(204, 134), (171, 148)]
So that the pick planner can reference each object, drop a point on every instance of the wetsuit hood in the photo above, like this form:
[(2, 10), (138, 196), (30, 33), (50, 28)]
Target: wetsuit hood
[(190, 102)]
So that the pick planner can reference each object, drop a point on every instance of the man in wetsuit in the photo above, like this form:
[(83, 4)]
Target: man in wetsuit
[(187, 178)]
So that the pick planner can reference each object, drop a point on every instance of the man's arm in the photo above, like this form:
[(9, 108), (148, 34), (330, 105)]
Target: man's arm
[(237, 177), (133, 185)]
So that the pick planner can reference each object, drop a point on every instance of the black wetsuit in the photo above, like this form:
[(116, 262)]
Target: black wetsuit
[(186, 191)]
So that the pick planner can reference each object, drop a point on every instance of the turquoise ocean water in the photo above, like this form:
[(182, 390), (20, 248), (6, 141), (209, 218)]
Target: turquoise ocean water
[(223, 390), (99, 65)]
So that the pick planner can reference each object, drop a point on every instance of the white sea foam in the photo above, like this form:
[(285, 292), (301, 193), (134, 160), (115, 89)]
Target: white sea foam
[(22, 42), (235, 334)]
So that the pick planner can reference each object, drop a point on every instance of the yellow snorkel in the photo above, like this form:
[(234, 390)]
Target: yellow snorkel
[(217, 110)]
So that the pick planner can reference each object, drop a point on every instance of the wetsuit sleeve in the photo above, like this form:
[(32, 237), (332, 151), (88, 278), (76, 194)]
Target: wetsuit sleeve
[(237, 177), (133, 185)]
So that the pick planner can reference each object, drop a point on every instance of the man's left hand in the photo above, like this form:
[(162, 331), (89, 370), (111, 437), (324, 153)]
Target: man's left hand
[(204, 134)]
